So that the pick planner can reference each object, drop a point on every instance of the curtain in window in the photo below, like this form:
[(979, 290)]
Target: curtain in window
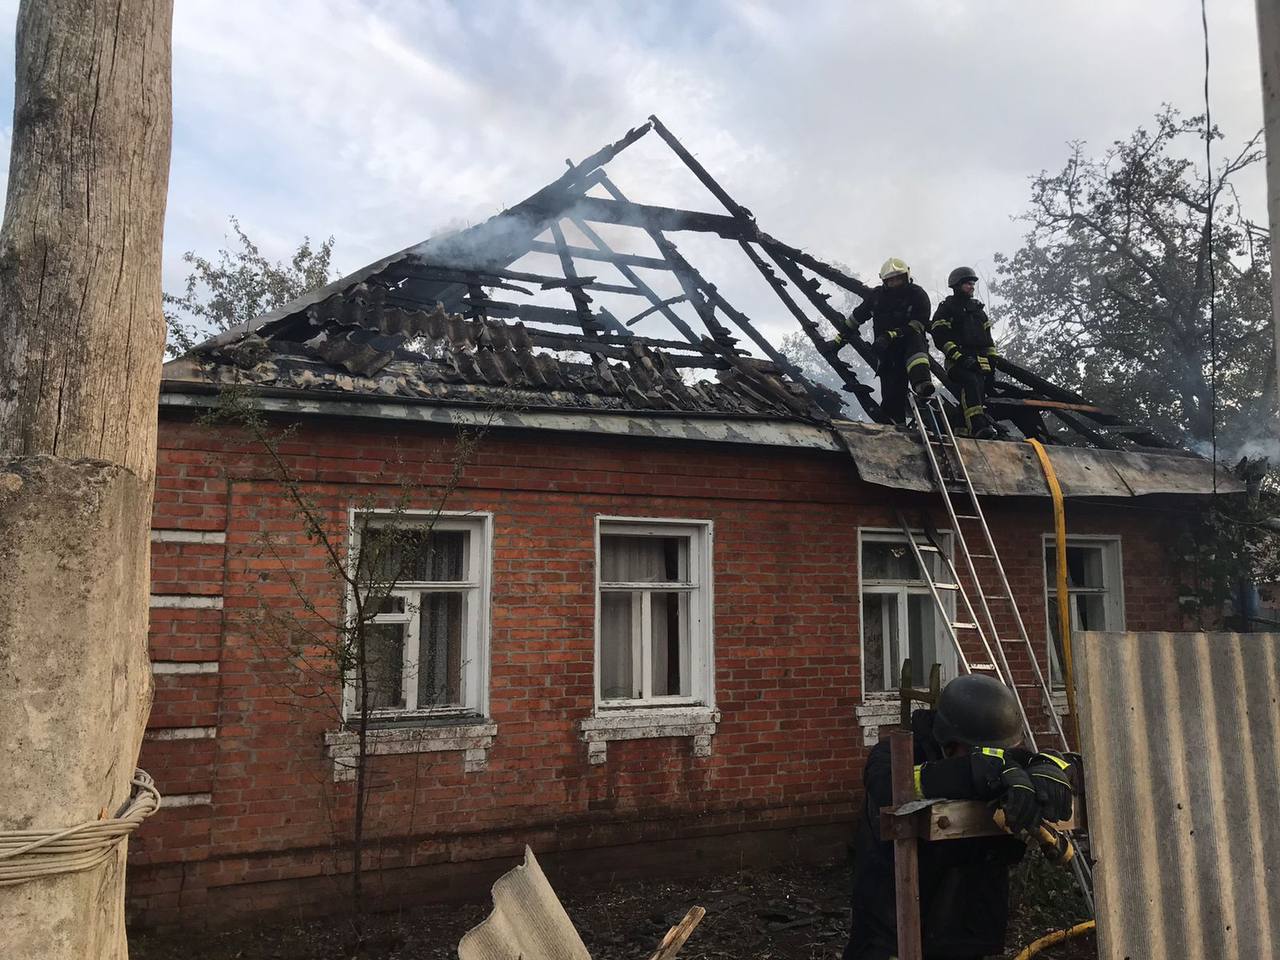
[(440, 650)]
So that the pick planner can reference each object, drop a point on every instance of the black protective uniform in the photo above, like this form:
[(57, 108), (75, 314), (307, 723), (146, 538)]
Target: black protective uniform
[(962, 331), (964, 884), (900, 318)]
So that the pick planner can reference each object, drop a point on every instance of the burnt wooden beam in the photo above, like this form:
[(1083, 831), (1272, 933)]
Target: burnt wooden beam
[(654, 308), (1054, 392), (1080, 426), (648, 217), (852, 383), (672, 317), (581, 300), (604, 256)]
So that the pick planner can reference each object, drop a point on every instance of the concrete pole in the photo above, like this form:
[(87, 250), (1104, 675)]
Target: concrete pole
[(1269, 45)]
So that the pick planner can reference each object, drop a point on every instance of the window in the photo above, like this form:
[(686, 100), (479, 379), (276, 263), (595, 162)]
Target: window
[(1093, 586), (899, 617), (653, 621), (427, 641)]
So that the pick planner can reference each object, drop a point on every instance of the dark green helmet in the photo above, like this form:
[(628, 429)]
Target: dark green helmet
[(959, 275), (979, 711)]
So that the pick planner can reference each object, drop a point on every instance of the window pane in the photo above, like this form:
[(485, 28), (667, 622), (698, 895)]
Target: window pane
[(384, 665), (669, 643), (389, 603), (398, 554), (879, 636), (922, 635), (1084, 566), (627, 559), (1088, 611), (440, 622), (618, 613), (888, 561)]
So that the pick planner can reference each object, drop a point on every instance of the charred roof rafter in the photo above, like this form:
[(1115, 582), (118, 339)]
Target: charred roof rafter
[(458, 272)]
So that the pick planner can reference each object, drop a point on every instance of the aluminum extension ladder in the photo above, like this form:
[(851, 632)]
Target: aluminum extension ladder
[(951, 478), (986, 572)]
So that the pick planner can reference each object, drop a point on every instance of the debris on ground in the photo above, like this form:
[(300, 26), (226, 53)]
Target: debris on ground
[(797, 912)]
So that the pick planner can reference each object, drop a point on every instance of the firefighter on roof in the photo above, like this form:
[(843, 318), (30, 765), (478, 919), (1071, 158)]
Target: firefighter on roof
[(962, 331), (899, 314)]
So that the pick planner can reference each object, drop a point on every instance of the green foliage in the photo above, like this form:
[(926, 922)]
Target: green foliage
[(1110, 292), (239, 285)]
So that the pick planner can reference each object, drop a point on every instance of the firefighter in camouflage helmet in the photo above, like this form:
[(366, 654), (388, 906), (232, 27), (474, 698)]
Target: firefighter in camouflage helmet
[(899, 313), (962, 331)]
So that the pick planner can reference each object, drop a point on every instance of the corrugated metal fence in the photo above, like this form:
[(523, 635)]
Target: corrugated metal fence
[(1182, 763)]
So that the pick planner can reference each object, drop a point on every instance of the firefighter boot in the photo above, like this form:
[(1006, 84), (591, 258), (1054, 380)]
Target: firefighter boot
[(918, 374), (981, 427)]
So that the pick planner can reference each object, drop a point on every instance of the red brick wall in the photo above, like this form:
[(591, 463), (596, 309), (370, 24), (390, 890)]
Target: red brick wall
[(788, 750)]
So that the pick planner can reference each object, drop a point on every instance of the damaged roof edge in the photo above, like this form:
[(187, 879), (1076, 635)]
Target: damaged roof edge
[(757, 431), (884, 456), (894, 458)]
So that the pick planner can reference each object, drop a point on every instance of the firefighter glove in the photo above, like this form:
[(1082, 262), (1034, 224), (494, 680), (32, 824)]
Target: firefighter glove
[(1050, 775), (1019, 802), (838, 340)]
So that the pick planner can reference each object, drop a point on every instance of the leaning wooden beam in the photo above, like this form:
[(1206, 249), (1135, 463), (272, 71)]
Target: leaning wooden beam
[(647, 217), (603, 256), (825, 270), (682, 272), (845, 372), (1078, 425), (581, 301), (672, 317), (678, 934), (1054, 392)]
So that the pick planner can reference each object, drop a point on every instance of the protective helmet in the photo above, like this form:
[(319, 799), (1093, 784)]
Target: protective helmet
[(979, 711), (959, 275), (893, 267)]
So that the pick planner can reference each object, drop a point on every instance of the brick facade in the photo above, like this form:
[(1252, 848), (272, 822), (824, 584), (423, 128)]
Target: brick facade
[(254, 830)]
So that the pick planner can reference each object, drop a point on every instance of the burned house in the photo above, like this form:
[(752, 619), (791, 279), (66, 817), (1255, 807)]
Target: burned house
[(668, 591)]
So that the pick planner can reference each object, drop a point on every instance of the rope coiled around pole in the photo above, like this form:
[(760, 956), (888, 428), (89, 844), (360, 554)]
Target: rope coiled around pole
[(27, 855)]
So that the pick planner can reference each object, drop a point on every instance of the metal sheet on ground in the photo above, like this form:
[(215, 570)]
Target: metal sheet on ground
[(527, 922), (1182, 745)]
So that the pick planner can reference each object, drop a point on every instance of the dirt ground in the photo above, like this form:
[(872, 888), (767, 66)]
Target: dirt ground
[(794, 913)]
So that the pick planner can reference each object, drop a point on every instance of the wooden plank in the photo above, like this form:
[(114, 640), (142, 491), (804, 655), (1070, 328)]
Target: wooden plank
[(906, 865), (961, 819), (649, 217), (677, 935), (604, 255)]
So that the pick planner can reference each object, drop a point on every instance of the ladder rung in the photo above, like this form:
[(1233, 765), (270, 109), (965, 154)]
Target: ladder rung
[(982, 666), (996, 596), (966, 516), (982, 556), (927, 547), (946, 586), (958, 625)]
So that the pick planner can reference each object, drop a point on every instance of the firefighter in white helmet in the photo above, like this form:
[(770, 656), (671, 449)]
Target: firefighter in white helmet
[(899, 313)]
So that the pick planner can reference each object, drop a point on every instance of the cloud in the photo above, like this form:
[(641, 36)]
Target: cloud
[(857, 130)]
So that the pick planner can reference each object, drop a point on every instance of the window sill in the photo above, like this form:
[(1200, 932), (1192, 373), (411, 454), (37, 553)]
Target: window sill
[(876, 711), (699, 723), (473, 737)]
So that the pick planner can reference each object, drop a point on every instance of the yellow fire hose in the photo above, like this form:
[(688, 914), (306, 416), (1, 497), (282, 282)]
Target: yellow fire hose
[(1064, 599), (1052, 939)]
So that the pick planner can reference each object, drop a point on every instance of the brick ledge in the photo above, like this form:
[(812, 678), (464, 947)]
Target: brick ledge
[(648, 723), (472, 737)]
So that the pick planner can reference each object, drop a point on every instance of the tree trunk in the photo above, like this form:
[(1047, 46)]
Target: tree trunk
[(81, 341)]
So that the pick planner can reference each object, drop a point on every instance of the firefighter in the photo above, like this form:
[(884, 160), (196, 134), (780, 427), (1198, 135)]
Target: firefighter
[(962, 331), (899, 314), (964, 750)]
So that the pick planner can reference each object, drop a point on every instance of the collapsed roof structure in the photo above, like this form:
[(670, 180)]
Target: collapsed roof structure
[(455, 320)]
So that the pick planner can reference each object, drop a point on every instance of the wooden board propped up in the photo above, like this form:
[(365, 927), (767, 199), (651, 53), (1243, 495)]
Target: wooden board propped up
[(528, 922)]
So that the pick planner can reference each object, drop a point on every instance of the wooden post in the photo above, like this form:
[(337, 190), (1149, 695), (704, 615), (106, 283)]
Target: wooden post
[(906, 866)]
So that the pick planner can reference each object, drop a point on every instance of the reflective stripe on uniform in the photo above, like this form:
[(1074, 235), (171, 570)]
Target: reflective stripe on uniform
[(916, 777), (916, 325), (917, 359), (969, 414), (986, 751)]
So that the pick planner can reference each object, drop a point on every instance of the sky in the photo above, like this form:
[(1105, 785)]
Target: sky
[(857, 129)]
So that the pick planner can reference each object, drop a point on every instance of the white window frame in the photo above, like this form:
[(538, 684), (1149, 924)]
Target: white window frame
[(1112, 590), (476, 612), (947, 653), (701, 536)]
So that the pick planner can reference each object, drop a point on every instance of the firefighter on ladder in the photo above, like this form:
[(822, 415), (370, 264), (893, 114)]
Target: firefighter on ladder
[(962, 331), (899, 313), (965, 749)]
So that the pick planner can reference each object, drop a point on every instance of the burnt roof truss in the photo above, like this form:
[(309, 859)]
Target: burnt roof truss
[(456, 315)]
